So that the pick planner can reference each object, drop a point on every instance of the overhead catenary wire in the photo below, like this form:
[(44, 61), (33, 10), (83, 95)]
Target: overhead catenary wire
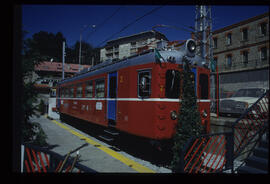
[(103, 23), (131, 23)]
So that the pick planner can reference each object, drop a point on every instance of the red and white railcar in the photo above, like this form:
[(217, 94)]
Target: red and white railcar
[(138, 95)]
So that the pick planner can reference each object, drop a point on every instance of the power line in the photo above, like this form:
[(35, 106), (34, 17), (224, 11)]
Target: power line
[(102, 23), (128, 25)]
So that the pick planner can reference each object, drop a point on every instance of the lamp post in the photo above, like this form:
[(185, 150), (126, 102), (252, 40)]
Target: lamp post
[(80, 50)]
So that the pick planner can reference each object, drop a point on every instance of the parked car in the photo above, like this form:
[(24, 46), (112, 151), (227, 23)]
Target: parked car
[(240, 101)]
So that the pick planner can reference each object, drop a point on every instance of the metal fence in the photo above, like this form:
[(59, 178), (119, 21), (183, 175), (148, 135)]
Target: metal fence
[(243, 65), (36, 159), (211, 153), (250, 127), (207, 153)]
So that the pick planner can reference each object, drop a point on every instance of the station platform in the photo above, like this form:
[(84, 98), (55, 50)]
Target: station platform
[(97, 155)]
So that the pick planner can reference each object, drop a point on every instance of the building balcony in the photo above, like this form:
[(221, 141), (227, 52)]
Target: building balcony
[(109, 51), (133, 46), (241, 66)]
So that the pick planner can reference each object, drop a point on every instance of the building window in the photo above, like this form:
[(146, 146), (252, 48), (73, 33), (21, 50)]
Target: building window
[(215, 42), (133, 51), (229, 39), (144, 84), (172, 87), (245, 34), (143, 42), (263, 53), (229, 61), (79, 91), (133, 44), (245, 57), (100, 88), (89, 89), (263, 27)]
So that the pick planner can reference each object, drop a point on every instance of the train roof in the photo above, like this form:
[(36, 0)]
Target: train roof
[(143, 58)]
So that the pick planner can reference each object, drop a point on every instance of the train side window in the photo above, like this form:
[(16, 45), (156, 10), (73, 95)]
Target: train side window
[(203, 82), (100, 88), (144, 84), (172, 87), (71, 91), (89, 89), (79, 91)]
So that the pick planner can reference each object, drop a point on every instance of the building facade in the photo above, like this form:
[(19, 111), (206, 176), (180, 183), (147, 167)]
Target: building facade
[(241, 52), (47, 74), (124, 47)]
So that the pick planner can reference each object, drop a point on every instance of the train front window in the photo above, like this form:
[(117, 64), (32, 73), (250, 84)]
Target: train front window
[(172, 87), (62, 91), (203, 82), (144, 84)]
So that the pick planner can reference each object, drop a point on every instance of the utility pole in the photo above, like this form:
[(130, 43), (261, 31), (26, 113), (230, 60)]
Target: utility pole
[(80, 50), (63, 61), (203, 32), (203, 36), (80, 54)]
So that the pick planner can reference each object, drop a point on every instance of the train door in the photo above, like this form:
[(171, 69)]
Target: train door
[(112, 95), (58, 98)]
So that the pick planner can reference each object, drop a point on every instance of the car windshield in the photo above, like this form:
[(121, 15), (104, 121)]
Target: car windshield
[(249, 93)]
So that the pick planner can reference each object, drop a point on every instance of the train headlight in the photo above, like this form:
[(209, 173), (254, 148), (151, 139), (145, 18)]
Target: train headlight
[(173, 115), (204, 114), (191, 46)]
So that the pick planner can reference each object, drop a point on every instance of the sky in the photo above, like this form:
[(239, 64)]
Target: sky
[(104, 21)]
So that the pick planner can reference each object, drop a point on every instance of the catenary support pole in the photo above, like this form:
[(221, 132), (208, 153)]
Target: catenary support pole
[(63, 62)]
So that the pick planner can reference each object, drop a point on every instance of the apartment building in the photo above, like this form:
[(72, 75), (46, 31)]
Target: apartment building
[(241, 51), (130, 45)]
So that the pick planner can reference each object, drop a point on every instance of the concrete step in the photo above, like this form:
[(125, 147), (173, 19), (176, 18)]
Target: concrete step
[(261, 152), (111, 132), (264, 143), (106, 138), (257, 162), (250, 170)]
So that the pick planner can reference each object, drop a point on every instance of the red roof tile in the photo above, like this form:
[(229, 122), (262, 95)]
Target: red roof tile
[(57, 67)]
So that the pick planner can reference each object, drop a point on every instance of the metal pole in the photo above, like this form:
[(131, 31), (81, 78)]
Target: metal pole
[(22, 157), (63, 62), (80, 50), (203, 29), (217, 87)]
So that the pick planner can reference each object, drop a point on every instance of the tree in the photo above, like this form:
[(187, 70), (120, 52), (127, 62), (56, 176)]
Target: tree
[(189, 121), (31, 131), (46, 45), (49, 46), (87, 53)]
